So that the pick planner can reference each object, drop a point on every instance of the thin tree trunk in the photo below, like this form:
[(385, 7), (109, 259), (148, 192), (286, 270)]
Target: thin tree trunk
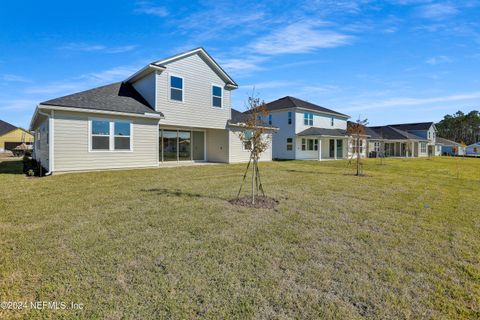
[(253, 182)]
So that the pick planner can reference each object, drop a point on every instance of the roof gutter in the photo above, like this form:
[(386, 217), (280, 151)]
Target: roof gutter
[(144, 72), (140, 115)]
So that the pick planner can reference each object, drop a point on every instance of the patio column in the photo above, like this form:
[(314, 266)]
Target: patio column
[(335, 148), (413, 149), (319, 149)]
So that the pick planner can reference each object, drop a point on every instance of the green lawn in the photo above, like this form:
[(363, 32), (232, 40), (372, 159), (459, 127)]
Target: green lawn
[(401, 242)]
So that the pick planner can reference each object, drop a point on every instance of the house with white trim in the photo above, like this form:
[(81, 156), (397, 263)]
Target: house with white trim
[(306, 131), (173, 110)]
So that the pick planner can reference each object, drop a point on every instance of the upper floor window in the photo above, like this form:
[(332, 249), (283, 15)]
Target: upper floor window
[(216, 96), (176, 88), (332, 121), (270, 119), (289, 117), (308, 119), (429, 134)]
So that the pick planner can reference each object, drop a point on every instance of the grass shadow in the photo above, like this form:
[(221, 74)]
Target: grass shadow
[(11, 167), (178, 193)]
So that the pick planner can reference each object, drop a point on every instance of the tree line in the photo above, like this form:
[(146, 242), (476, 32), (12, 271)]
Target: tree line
[(460, 127)]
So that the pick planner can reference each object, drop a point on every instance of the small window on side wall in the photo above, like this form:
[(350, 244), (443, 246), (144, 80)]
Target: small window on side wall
[(289, 144), (100, 135), (289, 117), (216, 96), (332, 121), (176, 88)]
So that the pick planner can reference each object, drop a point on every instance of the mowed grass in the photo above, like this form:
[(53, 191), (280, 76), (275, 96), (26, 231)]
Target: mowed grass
[(402, 242)]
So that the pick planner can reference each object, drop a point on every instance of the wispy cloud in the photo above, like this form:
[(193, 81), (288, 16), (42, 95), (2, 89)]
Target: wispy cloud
[(437, 11), (84, 47), (438, 60), (243, 65), (299, 37), (406, 102), (17, 105), (13, 78), (147, 7), (83, 82), (271, 84)]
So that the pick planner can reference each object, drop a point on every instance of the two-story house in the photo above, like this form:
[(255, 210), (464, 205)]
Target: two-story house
[(172, 110), (306, 130)]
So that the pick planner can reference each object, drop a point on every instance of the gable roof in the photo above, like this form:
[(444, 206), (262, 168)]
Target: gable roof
[(6, 127), (391, 133), (292, 102), (160, 65), (315, 131), (446, 142), (238, 117), (413, 126), (117, 97)]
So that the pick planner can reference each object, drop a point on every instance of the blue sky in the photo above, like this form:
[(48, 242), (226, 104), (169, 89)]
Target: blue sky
[(388, 61)]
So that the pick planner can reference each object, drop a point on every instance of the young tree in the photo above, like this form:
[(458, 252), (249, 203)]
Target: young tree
[(253, 137), (356, 130)]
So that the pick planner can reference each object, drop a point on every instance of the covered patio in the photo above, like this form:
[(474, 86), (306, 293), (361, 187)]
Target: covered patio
[(322, 144)]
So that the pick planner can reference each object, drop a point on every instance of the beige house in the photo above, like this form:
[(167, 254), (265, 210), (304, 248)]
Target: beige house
[(173, 110)]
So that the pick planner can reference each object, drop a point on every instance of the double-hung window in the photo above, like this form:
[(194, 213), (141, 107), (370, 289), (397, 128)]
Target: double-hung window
[(423, 147), (332, 121), (308, 119), (247, 140), (109, 135), (100, 135), (289, 144), (357, 148), (270, 119), (176, 88), (122, 135), (309, 145), (289, 117), (216, 96)]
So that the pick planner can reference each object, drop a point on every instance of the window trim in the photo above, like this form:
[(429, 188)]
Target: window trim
[(289, 117), (212, 96), (270, 119), (332, 121), (170, 75), (307, 119), (111, 136), (422, 145), (290, 144), (306, 143)]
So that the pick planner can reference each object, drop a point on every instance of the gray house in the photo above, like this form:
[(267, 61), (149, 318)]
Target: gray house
[(172, 110)]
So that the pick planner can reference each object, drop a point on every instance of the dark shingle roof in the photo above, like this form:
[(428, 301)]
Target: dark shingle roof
[(238, 117), (390, 133), (412, 126), (291, 102), (119, 97), (314, 131), (6, 127)]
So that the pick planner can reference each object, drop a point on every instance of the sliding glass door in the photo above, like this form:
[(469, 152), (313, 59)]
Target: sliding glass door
[(184, 145), (176, 145)]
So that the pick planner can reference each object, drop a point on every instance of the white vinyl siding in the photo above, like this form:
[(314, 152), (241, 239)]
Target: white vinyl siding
[(196, 109), (238, 152), (42, 147), (320, 120), (71, 144)]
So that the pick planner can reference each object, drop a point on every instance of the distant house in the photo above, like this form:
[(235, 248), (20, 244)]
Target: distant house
[(450, 148), (403, 140), (11, 136), (173, 110), (306, 131), (473, 149)]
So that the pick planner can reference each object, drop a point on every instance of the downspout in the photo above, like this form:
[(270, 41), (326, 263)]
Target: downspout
[(50, 140)]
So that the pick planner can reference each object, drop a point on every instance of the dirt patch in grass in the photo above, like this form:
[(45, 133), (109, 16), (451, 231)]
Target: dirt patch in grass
[(260, 202)]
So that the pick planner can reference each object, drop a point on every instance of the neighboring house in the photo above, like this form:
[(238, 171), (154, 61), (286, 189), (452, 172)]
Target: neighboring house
[(403, 140), (450, 148), (172, 110), (473, 149), (11, 137), (306, 130)]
